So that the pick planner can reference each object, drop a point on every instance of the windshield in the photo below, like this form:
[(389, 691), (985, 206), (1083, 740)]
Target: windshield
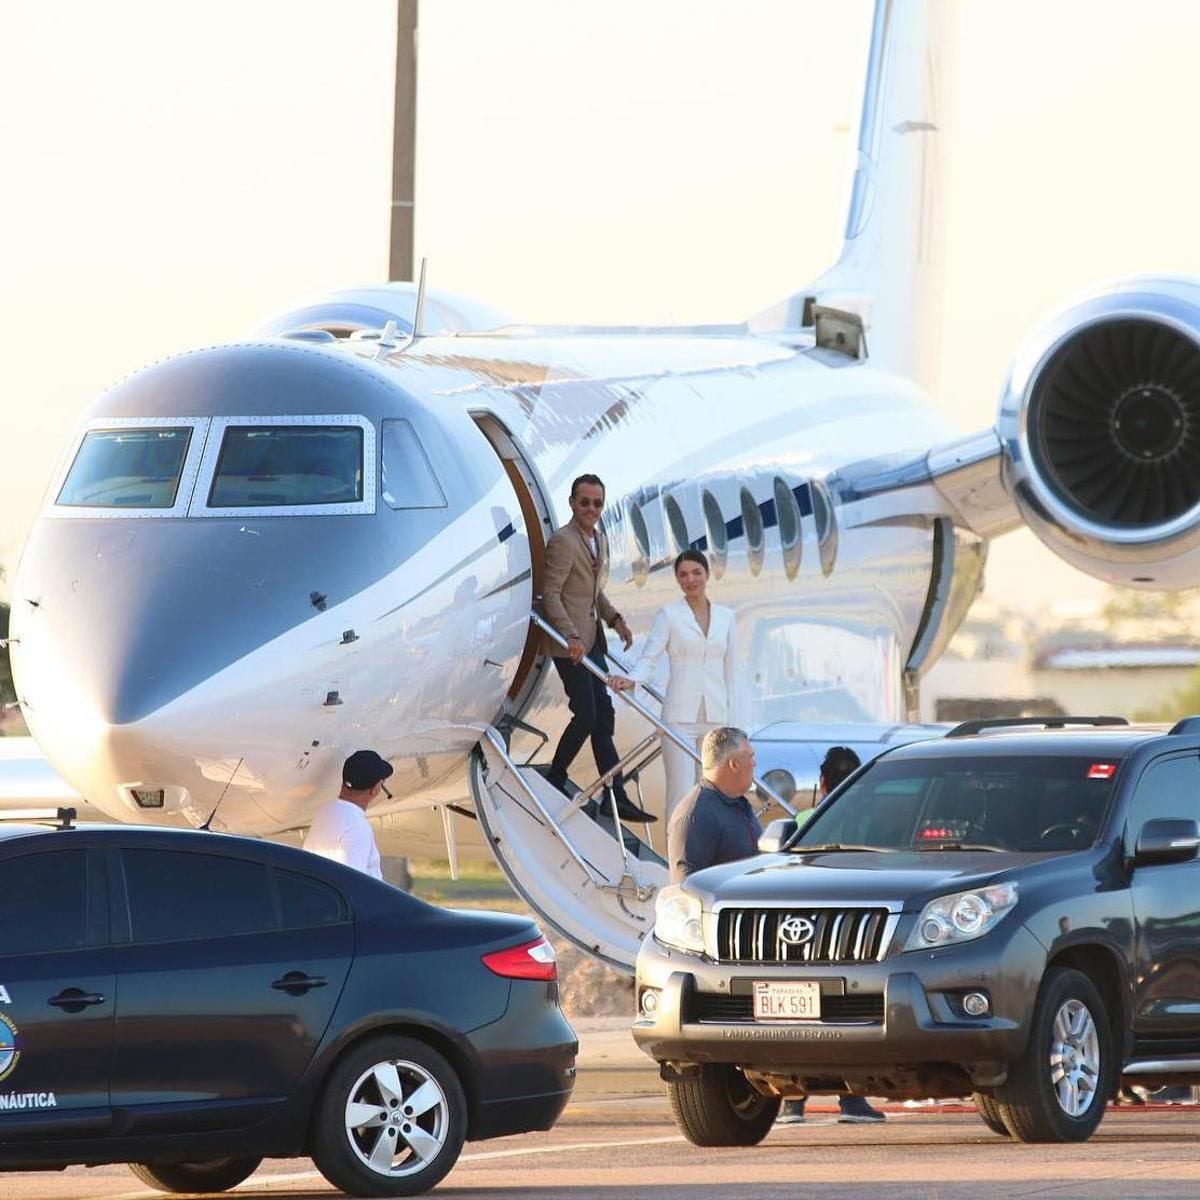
[(268, 466), (127, 468), (1001, 803)]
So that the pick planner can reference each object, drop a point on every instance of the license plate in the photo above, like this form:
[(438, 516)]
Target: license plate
[(787, 1001)]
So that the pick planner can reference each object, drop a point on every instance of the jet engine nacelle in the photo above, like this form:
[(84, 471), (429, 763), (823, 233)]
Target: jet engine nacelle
[(1100, 426)]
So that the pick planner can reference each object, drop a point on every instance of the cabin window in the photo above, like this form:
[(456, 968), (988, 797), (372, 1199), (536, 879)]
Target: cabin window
[(408, 478), (826, 522), (639, 544), (127, 468), (677, 524), (752, 525), (788, 512), (714, 527), (278, 466)]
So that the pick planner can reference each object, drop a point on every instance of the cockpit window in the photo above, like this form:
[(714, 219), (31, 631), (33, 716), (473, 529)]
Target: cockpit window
[(281, 466), (408, 479), (127, 468)]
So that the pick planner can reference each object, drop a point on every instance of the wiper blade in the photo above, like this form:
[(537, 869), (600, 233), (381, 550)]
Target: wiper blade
[(829, 847), (961, 846)]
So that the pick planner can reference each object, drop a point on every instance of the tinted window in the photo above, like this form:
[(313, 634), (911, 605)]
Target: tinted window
[(127, 468), (43, 902), (1169, 788), (408, 479), (175, 896), (1025, 804), (268, 466), (305, 902)]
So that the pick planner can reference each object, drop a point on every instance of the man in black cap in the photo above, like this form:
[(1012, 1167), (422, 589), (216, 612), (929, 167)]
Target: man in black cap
[(340, 829)]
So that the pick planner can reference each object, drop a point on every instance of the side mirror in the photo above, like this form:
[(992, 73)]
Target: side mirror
[(776, 834), (1167, 841)]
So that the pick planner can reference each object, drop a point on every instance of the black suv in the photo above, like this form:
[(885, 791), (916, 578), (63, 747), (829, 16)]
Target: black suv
[(1014, 914), (191, 1003)]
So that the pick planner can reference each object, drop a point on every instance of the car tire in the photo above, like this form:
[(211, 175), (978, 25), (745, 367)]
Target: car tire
[(990, 1113), (1070, 1043), (368, 1140), (716, 1106), (216, 1175)]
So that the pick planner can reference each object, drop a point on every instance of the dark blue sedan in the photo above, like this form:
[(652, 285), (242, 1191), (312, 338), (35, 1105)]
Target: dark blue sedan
[(191, 1003)]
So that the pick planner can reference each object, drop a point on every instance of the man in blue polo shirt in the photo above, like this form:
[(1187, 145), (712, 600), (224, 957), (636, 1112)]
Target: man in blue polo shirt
[(714, 823)]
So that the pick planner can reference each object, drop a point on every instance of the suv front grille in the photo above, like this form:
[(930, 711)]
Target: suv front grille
[(711, 1006), (768, 935)]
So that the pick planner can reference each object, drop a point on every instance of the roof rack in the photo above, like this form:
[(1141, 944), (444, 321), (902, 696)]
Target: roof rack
[(1186, 725), (60, 818), (981, 725)]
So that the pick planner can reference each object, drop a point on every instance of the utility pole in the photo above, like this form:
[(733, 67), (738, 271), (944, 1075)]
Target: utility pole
[(404, 143)]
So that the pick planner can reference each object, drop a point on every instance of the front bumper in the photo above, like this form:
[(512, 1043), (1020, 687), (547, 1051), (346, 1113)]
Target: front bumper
[(893, 1020)]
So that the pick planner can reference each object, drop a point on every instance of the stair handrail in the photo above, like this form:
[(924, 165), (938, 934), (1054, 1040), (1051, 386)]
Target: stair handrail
[(663, 728)]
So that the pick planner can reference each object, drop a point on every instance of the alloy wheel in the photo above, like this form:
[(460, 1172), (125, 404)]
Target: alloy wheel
[(1074, 1058), (397, 1118)]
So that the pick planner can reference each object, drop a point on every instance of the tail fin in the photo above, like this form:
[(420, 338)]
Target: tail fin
[(890, 265)]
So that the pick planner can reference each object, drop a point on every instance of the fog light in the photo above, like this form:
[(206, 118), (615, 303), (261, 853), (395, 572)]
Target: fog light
[(148, 797), (976, 1004), (649, 1002)]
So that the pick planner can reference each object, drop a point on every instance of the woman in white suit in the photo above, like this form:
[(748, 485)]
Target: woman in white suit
[(698, 639)]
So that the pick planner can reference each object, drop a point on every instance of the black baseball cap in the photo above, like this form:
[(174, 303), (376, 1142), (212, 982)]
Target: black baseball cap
[(364, 769)]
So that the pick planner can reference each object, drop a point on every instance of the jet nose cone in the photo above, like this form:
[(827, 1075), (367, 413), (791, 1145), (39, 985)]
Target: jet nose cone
[(117, 626)]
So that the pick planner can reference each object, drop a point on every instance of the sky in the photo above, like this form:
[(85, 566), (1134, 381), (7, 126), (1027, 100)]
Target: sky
[(176, 172)]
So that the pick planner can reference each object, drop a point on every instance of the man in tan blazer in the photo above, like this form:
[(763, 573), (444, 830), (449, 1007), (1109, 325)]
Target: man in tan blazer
[(574, 603)]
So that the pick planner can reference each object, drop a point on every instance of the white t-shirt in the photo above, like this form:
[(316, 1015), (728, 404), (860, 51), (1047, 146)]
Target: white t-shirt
[(341, 831)]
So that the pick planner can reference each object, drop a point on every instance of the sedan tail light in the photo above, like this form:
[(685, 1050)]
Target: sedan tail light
[(530, 960)]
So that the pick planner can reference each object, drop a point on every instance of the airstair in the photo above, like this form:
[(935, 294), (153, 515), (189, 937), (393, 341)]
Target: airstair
[(589, 876)]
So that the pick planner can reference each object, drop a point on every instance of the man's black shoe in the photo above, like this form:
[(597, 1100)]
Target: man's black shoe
[(628, 811)]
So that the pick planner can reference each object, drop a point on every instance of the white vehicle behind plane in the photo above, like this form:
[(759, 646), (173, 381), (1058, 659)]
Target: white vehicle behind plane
[(257, 557)]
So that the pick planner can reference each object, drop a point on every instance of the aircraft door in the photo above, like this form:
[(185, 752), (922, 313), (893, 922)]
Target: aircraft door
[(57, 995), (538, 525)]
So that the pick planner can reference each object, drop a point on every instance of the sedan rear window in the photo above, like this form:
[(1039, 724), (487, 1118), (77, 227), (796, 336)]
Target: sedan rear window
[(275, 466), (127, 468), (1003, 803)]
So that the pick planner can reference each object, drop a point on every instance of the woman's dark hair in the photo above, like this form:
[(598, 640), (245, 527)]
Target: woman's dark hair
[(696, 556)]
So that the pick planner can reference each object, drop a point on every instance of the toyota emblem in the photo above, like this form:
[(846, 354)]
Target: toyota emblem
[(796, 930)]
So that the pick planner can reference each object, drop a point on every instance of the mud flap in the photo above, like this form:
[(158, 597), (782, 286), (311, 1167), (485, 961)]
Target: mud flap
[(568, 867)]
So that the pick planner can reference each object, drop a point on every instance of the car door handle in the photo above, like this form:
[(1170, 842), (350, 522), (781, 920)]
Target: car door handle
[(75, 999), (296, 983)]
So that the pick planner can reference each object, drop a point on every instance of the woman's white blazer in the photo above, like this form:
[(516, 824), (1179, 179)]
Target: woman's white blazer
[(702, 668)]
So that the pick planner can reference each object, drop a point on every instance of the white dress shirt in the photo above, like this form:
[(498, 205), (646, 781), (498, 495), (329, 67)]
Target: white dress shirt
[(702, 667), (341, 831)]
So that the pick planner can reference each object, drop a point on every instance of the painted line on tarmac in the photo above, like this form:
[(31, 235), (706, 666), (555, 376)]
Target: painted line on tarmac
[(262, 1182), (269, 1181)]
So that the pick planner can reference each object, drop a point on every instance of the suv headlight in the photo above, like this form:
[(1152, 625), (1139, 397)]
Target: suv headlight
[(677, 914), (962, 917)]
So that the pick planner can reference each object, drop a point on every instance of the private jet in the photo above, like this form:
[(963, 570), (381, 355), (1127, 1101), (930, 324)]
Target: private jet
[(257, 557)]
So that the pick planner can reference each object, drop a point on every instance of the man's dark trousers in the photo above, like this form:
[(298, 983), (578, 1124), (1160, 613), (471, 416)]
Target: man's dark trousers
[(591, 716)]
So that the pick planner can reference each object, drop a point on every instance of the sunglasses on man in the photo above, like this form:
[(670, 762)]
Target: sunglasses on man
[(584, 502)]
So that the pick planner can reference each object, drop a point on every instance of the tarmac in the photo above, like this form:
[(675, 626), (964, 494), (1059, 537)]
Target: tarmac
[(616, 1140)]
